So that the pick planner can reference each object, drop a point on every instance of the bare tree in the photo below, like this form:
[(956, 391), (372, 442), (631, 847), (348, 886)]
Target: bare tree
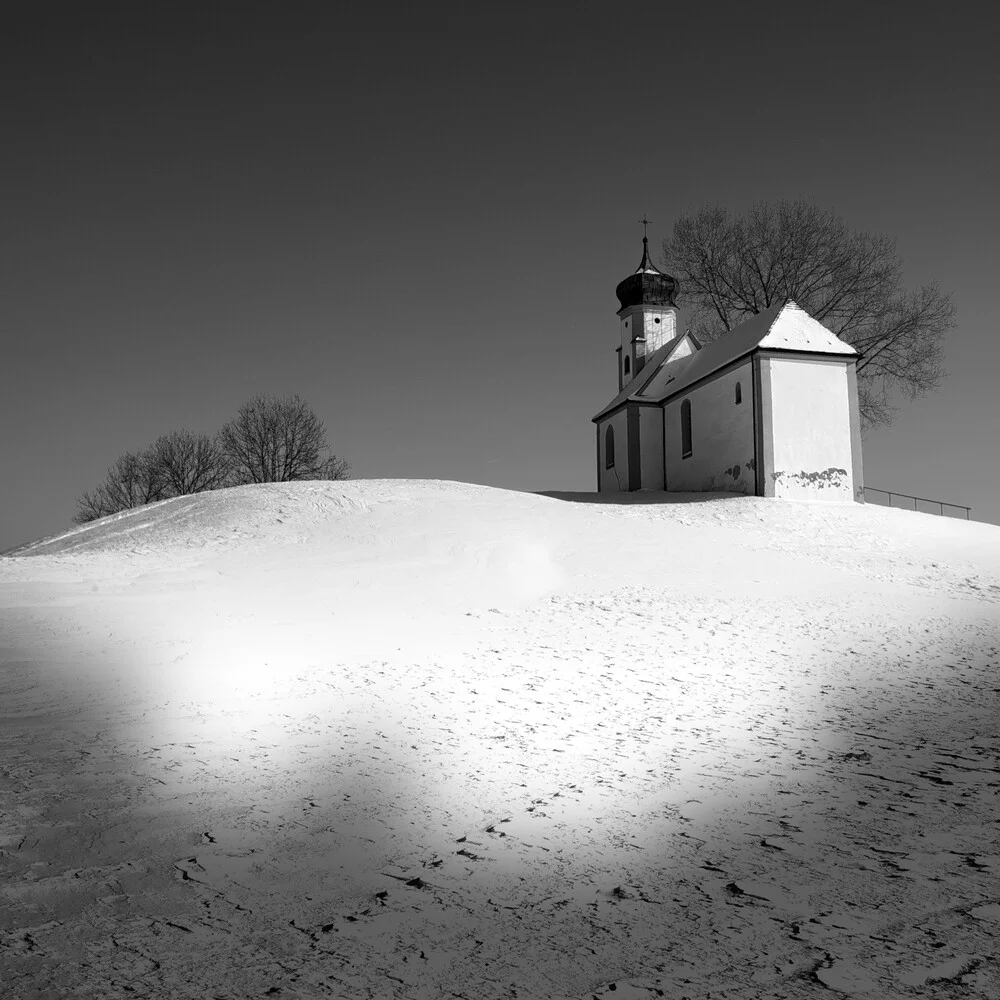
[(189, 462), (334, 468), (269, 440), (278, 440), (132, 481), (733, 266), (93, 505)]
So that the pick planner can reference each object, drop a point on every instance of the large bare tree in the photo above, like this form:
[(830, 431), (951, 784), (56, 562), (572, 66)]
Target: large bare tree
[(732, 266), (273, 440), (189, 462)]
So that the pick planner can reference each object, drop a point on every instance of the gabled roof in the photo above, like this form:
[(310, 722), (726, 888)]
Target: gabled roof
[(785, 328), (638, 382)]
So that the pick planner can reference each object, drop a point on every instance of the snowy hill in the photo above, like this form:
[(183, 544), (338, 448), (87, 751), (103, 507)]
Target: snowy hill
[(414, 738)]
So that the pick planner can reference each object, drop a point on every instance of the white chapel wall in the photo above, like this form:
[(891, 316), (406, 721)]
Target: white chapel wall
[(650, 448), (810, 426), (721, 436), (658, 327), (682, 350), (615, 479), (627, 321), (654, 326)]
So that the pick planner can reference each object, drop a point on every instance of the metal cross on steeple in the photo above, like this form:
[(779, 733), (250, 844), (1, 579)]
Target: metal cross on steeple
[(645, 222)]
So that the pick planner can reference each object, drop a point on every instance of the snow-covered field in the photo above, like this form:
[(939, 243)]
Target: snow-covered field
[(425, 739)]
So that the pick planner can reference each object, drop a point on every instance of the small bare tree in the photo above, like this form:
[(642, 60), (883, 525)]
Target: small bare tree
[(269, 440), (176, 464), (733, 266), (274, 440), (334, 468), (132, 481)]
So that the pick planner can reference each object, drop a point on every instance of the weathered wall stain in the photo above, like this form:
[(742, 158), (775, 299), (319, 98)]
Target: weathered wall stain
[(728, 480), (832, 477)]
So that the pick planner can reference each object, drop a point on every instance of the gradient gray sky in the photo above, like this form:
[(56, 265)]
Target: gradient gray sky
[(416, 218)]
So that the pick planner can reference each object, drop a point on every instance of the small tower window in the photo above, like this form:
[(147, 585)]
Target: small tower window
[(686, 428), (609, 447), (626, 365), (739, 394)]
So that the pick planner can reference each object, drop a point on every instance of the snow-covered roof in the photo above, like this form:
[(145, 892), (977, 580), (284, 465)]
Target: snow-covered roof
[(783, 328), (639, 382), (795, 330)]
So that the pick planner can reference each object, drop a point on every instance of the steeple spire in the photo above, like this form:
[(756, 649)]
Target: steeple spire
[(646, 264), (647, 283)]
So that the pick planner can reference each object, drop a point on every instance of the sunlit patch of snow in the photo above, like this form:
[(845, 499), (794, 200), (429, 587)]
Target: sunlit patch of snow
[(687, 744)]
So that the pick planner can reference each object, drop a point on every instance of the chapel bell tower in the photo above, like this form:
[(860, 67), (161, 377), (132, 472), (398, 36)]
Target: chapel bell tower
[(648, 314)]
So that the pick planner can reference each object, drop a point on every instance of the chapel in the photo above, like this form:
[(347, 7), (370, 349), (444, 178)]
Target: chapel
[(769, 409)]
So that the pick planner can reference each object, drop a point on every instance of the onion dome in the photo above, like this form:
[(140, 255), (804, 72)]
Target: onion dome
[(647, 285)]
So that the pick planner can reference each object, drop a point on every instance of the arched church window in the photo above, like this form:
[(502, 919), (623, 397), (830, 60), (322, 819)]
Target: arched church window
[(609, 447), (626, 366), (739, 394), (686, 428)]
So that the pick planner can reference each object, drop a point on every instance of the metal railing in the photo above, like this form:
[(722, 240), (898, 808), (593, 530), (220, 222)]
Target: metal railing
[(938, 503)]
